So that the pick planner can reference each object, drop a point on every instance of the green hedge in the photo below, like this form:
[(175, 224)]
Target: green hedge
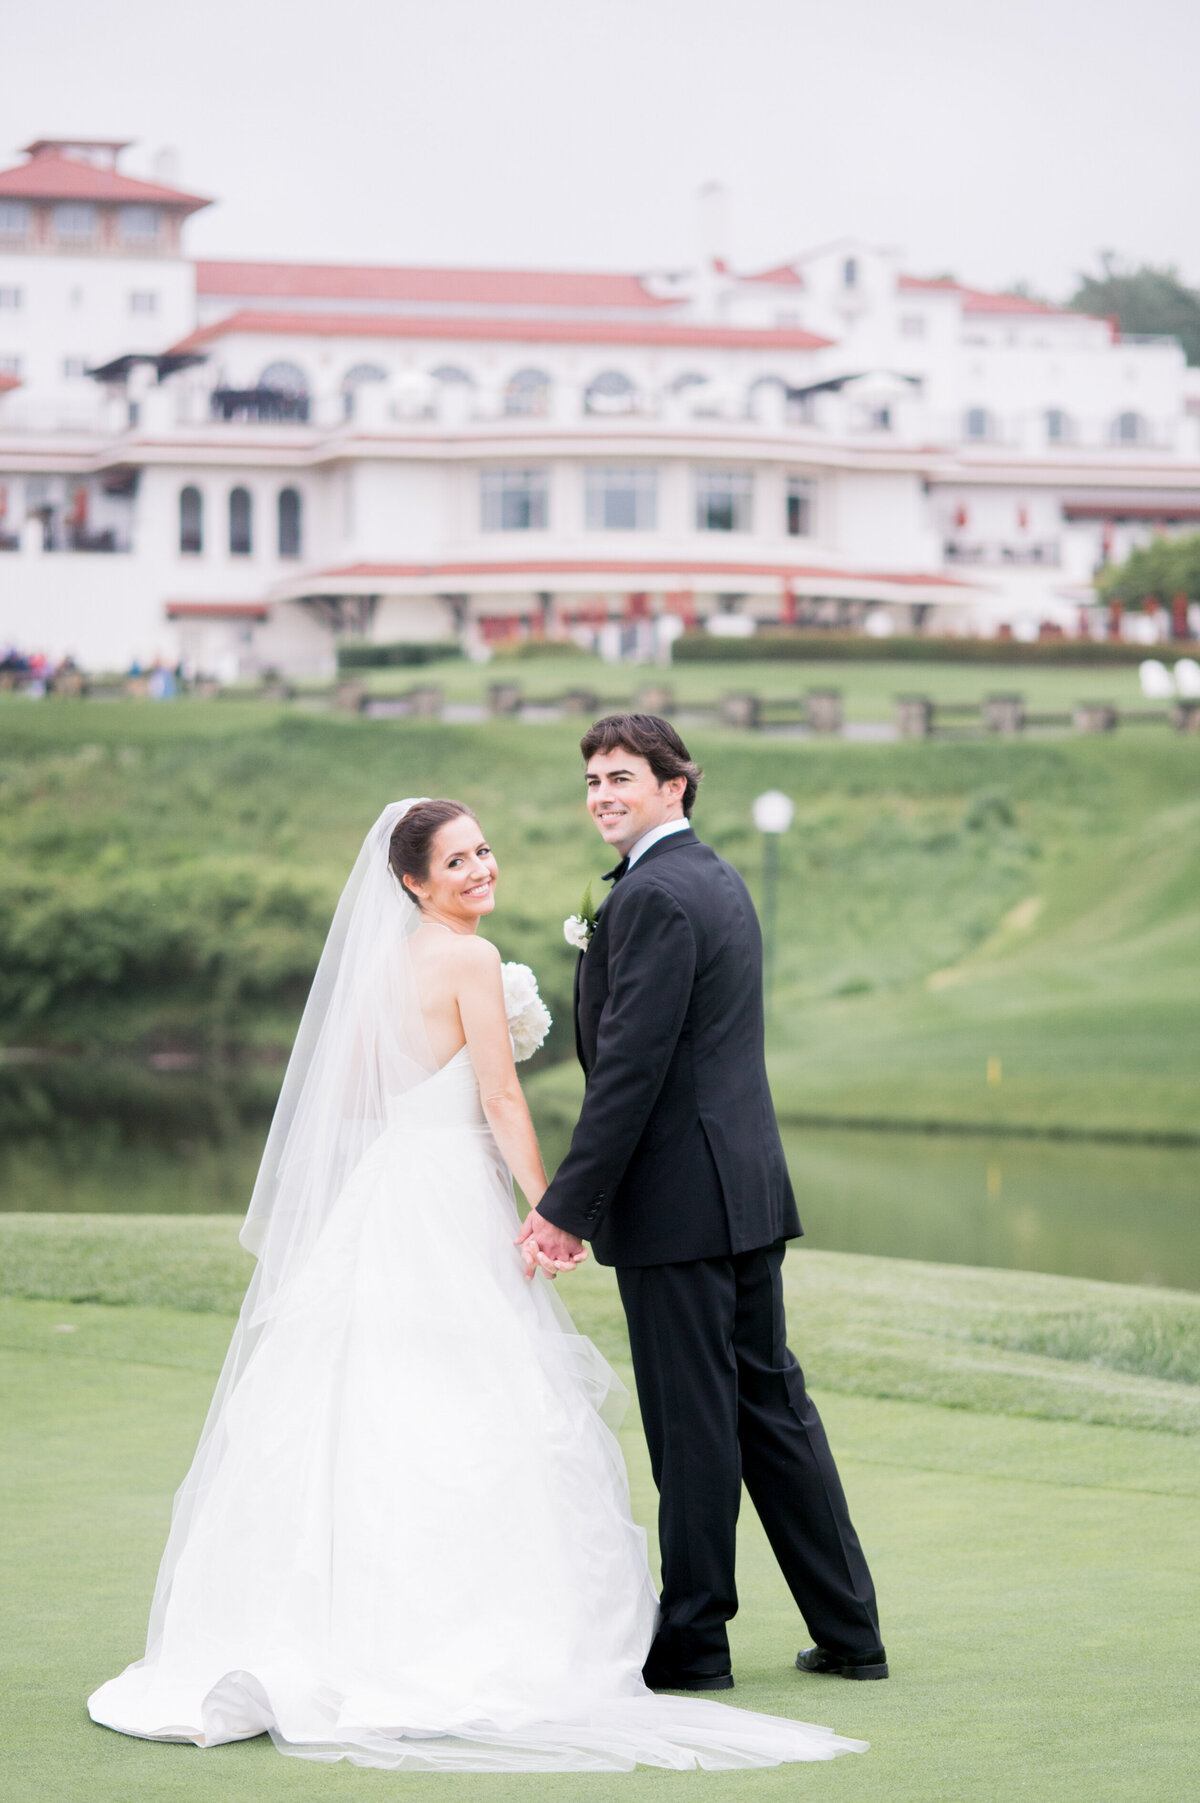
[(804, 647), (405, 653)]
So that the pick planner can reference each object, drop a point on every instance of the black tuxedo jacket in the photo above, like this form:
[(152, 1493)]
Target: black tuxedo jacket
[(676, 1155)]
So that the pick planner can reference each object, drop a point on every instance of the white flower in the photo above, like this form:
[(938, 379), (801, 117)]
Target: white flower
[(527, 1014), (577, 931)]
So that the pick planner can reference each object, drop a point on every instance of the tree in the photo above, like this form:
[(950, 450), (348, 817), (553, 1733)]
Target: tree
[(1164, 568), (1147, 299)]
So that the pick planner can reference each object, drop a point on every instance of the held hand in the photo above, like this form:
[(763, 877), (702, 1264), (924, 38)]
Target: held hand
[(545, 1246)]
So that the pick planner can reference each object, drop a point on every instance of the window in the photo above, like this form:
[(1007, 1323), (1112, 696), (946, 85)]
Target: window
[(241, 527), (290, 522), (610, 392), (143, 300), (139, 225), (527, 394), (354, 379), (14, 219), (74, 221), (10, 364), (515, 500), (1129, 428), (74, 369), (977, 423), (284, 378), (191, 521), (724, 500), (912, 325), (621, 500), (12, 299), (1058, 426), (850, 273), (801, 506)]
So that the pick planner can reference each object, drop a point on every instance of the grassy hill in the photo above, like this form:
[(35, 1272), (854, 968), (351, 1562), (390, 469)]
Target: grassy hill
[(944, 906)]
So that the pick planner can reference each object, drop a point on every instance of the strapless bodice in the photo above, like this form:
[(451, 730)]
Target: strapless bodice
[(449, 1098)]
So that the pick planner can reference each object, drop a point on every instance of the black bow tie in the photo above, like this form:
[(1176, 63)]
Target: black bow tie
[(614, 876)]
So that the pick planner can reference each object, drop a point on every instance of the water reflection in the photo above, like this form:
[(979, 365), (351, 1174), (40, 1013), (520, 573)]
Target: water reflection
[(1130, 1214), (124, 1140)]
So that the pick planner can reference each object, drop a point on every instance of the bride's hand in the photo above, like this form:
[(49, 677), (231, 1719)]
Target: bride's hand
[(544, 1245)]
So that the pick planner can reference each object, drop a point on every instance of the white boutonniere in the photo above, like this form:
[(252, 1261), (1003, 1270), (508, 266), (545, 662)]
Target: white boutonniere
[(578, 928)]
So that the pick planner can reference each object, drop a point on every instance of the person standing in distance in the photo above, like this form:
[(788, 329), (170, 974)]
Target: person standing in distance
[(676, 1176)]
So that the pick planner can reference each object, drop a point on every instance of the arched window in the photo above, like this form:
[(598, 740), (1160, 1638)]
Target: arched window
[(355, 378), (1058, 426), (610, 392), (284, 378), (1129, 428), (191, 521), (291, 522), (977, 423), (451, 374), (241, 523), (527, 394)]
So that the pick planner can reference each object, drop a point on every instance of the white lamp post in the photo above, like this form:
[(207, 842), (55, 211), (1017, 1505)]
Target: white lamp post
[(772, 813)]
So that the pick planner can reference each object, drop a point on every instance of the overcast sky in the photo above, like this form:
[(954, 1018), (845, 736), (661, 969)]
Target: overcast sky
[(997, 139)]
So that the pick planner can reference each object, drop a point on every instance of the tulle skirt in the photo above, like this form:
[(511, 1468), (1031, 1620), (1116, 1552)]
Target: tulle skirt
[(413, 1546)]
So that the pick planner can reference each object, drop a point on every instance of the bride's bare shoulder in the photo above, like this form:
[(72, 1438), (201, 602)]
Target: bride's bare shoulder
[(464, 954)]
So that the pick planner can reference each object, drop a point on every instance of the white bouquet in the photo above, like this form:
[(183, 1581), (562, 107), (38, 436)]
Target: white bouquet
[(527, 1014)]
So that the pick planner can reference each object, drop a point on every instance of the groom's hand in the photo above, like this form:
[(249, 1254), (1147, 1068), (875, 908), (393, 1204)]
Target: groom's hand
[(544, 1245)]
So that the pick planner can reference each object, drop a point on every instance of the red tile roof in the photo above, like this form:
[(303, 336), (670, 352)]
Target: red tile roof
[(8, 382), (782, 277), (463, 287), (217, 610), (641, 567), (978, 300), (51, 177), (525, 331)]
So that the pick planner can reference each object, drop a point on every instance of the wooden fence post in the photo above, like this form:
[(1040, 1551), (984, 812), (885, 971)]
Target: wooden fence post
[(914, 716), (1004, 713), (1094, 716), (823, 710), (503, 698), (741, 710)]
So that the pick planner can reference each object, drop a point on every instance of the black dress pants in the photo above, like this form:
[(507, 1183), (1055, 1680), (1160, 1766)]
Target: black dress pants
[(722, 1400)]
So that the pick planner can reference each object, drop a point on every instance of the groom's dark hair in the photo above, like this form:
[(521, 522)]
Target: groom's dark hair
[(646, 736)]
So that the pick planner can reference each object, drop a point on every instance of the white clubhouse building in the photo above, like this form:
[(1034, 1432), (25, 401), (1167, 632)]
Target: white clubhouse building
[(235, 463)]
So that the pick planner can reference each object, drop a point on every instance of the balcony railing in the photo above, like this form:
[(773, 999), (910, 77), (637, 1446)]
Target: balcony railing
[(261, 405), (1044, 553)]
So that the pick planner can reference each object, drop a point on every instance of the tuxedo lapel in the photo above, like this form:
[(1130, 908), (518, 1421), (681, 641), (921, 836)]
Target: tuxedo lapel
[(591, 967)]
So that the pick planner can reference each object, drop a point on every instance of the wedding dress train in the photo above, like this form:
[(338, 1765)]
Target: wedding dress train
[(410, 1545)]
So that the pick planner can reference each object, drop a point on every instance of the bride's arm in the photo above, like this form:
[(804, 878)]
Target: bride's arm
[(480, 995)]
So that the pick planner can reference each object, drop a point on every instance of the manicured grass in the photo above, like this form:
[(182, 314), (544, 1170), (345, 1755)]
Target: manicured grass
[(943, 907), (1004, 1342), (868, 689), (1038, 1578)]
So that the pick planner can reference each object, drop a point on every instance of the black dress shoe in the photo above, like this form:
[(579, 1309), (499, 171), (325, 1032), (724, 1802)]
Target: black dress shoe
[(843, 1665), (657, 1678)]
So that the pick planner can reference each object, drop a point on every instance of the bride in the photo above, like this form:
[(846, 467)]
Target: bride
[(349, 1565)]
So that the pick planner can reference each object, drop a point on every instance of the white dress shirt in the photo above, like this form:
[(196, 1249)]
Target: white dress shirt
[(654, 835)]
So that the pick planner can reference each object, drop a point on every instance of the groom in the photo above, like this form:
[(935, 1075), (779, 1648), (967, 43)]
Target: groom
[(677, 1177)]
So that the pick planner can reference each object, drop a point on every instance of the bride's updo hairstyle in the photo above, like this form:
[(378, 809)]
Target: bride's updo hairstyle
[(412, 839)]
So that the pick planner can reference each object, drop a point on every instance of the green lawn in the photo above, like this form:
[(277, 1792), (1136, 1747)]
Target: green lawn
[(943, 906), (1037, 1565), (868, 689)]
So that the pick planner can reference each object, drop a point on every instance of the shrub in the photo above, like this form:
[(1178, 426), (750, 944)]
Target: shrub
[(405, 653), (802, 647)]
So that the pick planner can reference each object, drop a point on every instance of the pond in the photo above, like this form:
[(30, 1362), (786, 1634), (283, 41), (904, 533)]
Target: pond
[(125, 1140)]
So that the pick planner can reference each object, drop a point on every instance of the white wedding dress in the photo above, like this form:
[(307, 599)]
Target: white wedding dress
[(406, 1539)]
